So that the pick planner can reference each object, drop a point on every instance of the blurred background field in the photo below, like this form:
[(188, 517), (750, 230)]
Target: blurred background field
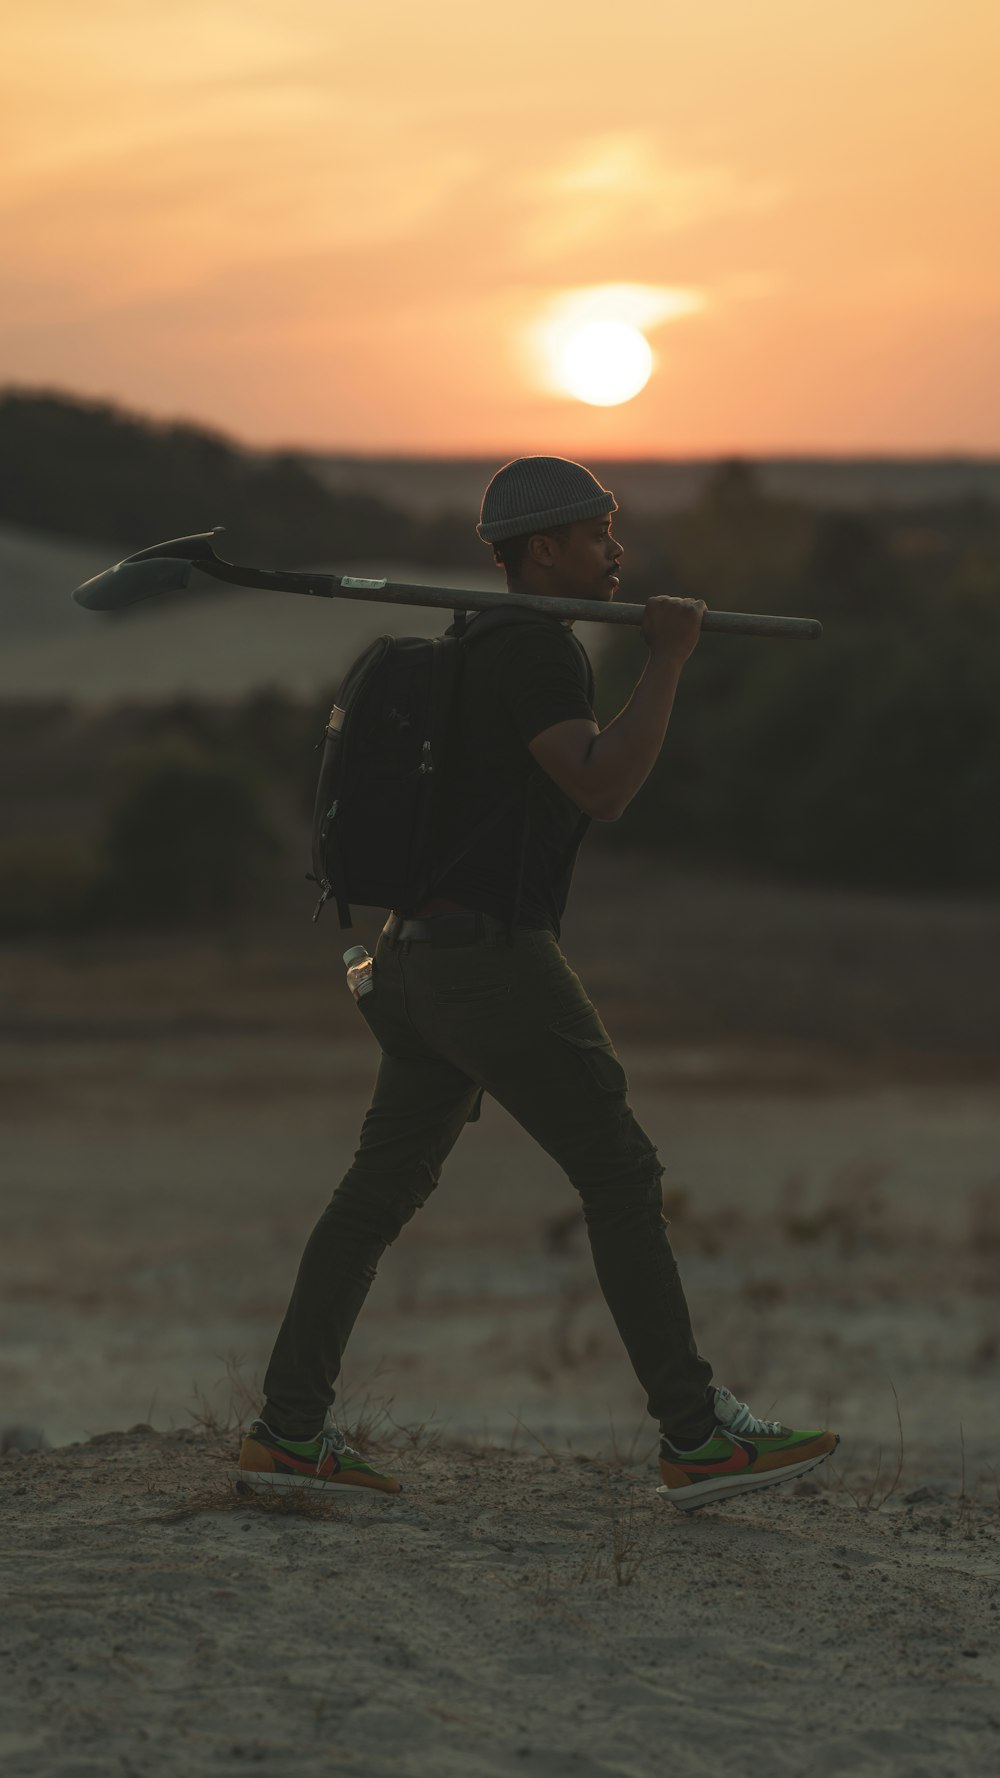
[(871, 760), (793, 936)]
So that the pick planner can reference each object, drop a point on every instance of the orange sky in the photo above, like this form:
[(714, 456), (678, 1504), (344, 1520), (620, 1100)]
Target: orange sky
[(343, 226)]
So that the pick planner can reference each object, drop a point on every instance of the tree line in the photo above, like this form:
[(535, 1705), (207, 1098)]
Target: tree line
[(870, 758), (89, 469)]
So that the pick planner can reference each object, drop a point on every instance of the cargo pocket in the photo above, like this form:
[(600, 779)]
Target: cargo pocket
[(597, 1051)]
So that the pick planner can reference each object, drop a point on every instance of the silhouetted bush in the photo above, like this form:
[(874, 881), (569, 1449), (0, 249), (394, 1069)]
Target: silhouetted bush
[(870, 758), (47, 884), (188, 843)]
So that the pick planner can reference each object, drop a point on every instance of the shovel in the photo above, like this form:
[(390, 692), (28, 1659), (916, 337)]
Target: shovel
[(170, 567)]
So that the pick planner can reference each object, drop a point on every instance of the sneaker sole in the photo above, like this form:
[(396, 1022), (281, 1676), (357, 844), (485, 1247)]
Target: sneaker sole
[(698, 1494), (252, 1481)]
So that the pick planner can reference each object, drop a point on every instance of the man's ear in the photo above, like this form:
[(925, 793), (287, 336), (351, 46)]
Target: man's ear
[(540, 550)]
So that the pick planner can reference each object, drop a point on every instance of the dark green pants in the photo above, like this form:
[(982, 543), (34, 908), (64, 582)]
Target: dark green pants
[(513, 1020)]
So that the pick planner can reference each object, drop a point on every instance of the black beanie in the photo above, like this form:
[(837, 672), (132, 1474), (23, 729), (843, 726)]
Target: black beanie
[(532, 493)]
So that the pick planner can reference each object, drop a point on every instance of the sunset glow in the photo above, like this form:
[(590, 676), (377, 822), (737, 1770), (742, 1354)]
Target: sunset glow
[(310, 224)]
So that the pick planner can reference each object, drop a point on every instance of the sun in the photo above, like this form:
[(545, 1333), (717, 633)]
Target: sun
[(589, 343), (604, 363)]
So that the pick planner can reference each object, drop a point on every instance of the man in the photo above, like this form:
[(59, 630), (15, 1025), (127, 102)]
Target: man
[(472, 993)]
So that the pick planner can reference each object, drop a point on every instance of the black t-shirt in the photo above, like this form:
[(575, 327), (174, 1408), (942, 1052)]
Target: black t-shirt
[(518, 680)]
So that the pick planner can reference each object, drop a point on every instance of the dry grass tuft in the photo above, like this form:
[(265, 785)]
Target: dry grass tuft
[(363, 1417), (869, 1503), (627, 1459), (417, 1437), (620, 1564), (243, 1406), (520, 1426), (628, 1548)]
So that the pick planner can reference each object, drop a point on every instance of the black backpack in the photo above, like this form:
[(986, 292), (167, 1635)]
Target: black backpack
[(379, 808)]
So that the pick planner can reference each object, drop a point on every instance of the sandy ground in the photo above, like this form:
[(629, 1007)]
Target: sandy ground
[(510, 1612), (174, 1121), (528, 1604)]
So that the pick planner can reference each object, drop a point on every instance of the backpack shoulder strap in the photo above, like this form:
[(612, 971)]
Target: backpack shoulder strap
[(482, 623)]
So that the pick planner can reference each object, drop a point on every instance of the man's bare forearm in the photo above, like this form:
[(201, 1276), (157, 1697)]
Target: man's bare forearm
[(622, 756)]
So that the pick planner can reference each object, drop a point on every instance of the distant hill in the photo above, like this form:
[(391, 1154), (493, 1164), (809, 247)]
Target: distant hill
[(428, 487), (77, 469)]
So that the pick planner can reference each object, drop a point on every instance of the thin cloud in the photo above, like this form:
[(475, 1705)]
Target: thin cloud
[(624, 186)]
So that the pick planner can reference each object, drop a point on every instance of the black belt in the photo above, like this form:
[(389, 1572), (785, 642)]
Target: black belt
[(471, 928)]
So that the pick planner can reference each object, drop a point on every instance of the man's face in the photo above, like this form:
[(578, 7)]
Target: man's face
[(581, 563)]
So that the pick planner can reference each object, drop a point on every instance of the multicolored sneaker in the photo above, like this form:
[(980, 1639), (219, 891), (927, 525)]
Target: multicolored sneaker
[(742, 1453), (271, 1464)]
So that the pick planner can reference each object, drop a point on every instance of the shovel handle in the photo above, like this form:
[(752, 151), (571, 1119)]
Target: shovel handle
[(168, 567), (598, 611)]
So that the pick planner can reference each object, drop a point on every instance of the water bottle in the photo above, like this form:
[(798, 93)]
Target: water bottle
[(359, 970)]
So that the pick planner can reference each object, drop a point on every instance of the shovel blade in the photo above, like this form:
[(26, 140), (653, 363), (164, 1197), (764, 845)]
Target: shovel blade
[(128, 582), (164, 568)]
